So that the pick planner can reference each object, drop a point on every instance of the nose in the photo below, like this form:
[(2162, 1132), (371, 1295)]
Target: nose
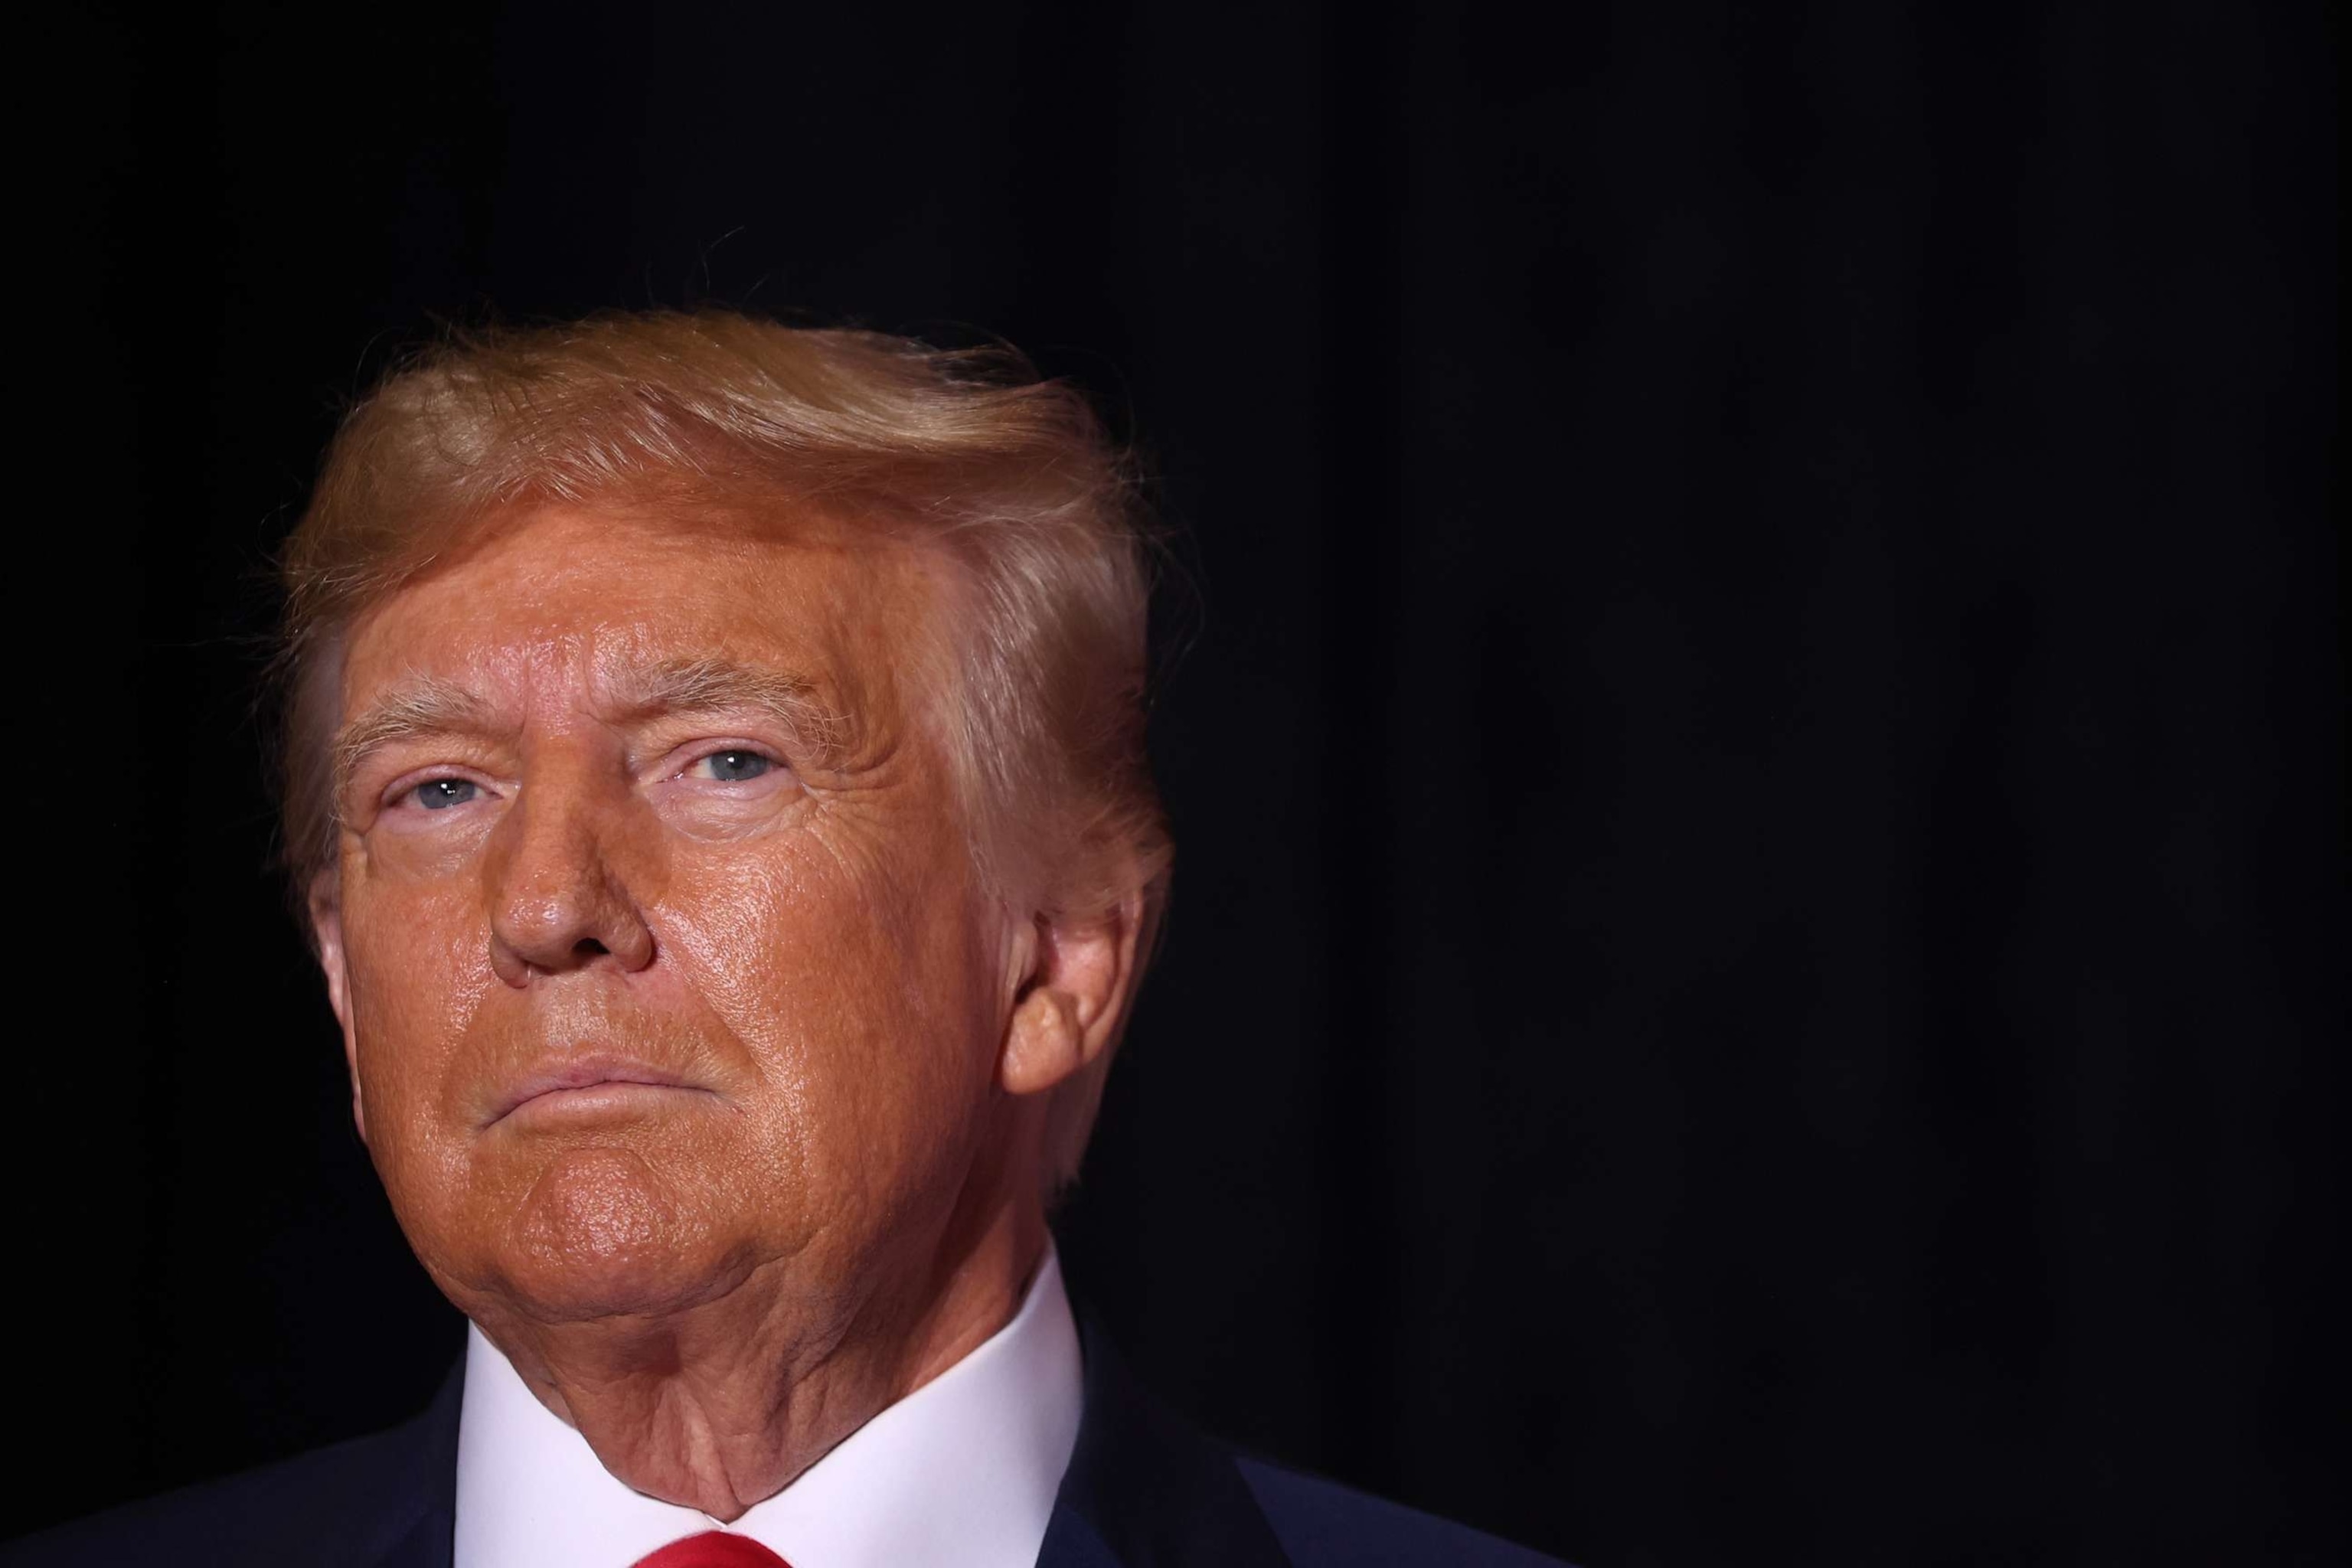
[(558, 902)]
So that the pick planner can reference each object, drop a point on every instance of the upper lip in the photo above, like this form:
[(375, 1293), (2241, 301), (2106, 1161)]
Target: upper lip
[(584, 1072)]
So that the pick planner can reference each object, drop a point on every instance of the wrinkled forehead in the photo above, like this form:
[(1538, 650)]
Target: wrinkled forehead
[(577, 605)]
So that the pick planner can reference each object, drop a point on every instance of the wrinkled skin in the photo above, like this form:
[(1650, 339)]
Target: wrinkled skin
[(555, 862)]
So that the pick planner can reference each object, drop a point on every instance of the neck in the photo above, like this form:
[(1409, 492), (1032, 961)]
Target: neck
[(719, 1407)]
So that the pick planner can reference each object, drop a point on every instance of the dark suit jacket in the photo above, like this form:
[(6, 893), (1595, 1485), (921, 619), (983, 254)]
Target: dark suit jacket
[(1144, 1490)]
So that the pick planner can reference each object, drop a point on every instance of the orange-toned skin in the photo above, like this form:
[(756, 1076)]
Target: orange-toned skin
[(836, 1191)]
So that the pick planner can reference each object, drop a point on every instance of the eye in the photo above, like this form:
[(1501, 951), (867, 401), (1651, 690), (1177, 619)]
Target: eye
[(733, 766), (439, 794)]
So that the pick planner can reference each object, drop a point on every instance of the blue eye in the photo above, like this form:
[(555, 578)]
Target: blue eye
[(439, 794), (736, 767)]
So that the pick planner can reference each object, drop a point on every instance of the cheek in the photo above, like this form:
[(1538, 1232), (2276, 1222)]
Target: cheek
[(418, 959), (850, 972)]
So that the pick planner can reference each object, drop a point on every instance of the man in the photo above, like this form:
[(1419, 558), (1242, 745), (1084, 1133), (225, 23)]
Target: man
[(715, 788)]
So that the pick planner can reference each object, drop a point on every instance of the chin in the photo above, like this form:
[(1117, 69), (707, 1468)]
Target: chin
[(599, 1236)]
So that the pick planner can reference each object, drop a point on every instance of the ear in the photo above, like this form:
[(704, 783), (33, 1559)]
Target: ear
[(327, 927), (1068, 1010)]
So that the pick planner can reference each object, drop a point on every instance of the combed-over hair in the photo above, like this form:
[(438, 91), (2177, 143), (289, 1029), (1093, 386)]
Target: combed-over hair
[(1012, 476)]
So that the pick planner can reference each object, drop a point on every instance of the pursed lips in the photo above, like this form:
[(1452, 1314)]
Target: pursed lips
[(588, 1072)]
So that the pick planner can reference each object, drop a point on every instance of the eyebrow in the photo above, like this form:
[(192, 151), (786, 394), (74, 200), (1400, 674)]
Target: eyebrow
[(423, 707), (428, 706), (715, 684)]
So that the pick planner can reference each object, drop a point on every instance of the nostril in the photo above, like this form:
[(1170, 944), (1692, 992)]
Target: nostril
[(588, 947)]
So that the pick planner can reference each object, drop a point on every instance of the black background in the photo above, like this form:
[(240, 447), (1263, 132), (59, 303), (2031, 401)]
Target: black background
[(1754, 965)]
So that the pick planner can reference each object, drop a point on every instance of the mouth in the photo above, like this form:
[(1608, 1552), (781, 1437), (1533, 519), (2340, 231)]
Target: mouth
[(591, 1088)]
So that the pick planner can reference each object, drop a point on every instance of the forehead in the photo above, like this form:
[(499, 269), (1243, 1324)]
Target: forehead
[(579, 596)]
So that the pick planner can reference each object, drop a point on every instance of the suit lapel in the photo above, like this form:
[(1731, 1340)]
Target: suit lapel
[(1145, 1490), (420, 1465)]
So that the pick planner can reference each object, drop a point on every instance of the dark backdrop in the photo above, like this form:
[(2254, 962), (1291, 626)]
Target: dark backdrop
[(1754, 972)]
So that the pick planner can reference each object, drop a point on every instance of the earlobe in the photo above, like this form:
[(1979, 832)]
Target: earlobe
[(327, 927), (1044, 1044)]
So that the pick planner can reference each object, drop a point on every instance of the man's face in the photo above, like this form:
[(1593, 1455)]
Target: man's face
[(658, 946)]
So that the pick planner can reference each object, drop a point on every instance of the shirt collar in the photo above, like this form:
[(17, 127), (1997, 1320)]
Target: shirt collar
[(962, 1472)]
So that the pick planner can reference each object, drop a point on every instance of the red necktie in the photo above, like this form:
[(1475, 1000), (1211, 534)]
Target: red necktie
[(713, 1549)]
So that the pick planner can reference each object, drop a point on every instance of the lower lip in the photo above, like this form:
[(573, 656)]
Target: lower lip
[(601, 1102)]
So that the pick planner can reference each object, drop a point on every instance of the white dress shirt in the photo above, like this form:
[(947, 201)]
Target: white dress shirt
[(961, 1472)]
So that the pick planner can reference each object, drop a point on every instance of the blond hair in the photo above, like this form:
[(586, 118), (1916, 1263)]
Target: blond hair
[(1010, 475)]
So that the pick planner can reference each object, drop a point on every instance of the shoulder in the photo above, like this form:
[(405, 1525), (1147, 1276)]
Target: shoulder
[(285, 1512), (371, 1499), (1146, 1487), (1320, 1521)]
